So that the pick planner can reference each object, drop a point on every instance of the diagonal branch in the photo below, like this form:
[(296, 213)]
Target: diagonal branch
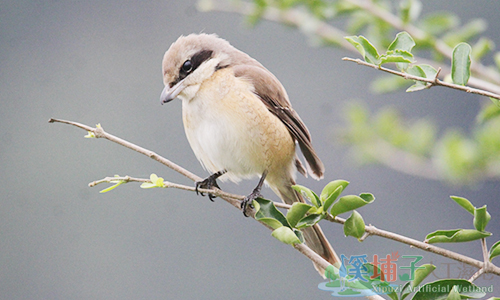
[(430, 81), (235, 200)]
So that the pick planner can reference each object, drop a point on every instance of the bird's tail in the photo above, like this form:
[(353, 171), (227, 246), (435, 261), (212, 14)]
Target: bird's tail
[(313, 236)]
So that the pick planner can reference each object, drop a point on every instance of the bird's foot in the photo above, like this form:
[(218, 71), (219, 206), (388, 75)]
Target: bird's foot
[(247, 202), (209, 183)]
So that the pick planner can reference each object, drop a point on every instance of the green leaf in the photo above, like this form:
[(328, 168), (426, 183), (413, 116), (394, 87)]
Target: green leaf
[(331, 192), (365, 48), (419, 85), (112, 187), (266, 209), (297, 212), (460, 64), (285, 235), (309, 221), (420, 274), (396, 57), (440, 289), (403, 41), (464, 203), (308, 193), (481, 218), (331, 188), (354, 225), (455, 236), (350, 202), (155, 182), (495, 250), (402, 44)]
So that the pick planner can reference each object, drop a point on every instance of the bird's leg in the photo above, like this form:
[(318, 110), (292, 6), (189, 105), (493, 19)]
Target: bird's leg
[(253, 195), (209, 183)]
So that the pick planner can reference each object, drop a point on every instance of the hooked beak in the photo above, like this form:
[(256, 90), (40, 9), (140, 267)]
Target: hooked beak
[(170, 93)]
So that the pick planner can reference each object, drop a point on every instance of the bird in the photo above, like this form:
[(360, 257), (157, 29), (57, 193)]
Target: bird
[(240, 123)]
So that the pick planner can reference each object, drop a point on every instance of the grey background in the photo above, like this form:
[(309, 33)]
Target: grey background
[(100, 62)]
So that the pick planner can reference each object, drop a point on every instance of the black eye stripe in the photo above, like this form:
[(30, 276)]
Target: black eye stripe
[(196, 60)]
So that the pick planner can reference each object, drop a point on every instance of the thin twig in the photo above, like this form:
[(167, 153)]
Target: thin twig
[(372, 230), (431, 81)]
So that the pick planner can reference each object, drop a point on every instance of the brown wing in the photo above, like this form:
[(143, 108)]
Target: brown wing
[(274, 96)]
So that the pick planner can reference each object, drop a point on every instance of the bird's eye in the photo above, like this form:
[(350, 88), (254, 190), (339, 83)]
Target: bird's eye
[(187, 66)]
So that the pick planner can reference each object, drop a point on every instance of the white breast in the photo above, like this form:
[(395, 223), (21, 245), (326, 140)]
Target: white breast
[(222, 127)]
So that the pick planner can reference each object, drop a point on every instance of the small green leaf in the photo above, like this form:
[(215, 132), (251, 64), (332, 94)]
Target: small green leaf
[(331, 192), (403, 41), (455, 236), (421, 273), (464, 203), (419, 85), (90, 135), (286, 235), (441, 288), (155, 182), (495, 250), (354, 225), (309, 221), (460, 64), (297, 212), (267, 210), (112, 187), (365, 48), (331, 188), (403, 44), (394, 58), (308, 193), (481, 218), (350, 202)]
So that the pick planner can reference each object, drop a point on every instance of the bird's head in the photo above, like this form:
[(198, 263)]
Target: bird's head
[(193, 59)]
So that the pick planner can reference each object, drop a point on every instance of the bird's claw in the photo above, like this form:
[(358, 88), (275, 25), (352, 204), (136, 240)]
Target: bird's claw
[(208, 183), (247, 202)]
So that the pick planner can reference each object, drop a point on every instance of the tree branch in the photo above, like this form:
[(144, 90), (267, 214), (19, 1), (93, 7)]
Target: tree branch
[(431, 82), (486, 266), (439, 45), (235, 200)]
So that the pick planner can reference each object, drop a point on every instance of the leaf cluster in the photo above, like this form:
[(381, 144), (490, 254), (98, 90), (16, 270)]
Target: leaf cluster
[(302, 215)]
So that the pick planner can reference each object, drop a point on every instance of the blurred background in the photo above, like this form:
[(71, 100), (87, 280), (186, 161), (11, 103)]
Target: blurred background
[(100, 62)]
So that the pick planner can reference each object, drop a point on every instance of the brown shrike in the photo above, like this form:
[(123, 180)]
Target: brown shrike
[(240, 123)]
